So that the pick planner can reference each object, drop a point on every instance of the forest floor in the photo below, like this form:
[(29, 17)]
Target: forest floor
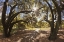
[(32, 36)]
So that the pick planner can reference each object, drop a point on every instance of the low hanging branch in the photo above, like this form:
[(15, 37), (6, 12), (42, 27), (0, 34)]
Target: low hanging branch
[(14, 15), (11, 12), (18, 21)]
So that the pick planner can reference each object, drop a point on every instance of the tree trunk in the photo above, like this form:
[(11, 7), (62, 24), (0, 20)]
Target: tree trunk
[(53, 35), (7, 31)]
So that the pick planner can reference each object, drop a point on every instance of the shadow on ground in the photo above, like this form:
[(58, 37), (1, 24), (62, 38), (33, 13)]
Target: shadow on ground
[(32, 36)]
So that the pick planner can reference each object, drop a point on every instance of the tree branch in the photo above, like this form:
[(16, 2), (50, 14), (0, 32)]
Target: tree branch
[(13, 8), (51, 11), (18, 21), (58, 10), (14, 15)]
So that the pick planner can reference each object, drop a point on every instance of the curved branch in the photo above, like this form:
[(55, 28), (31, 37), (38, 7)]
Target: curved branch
[(55, 3), (11, 13), (51, 11), (18, 21), (52, 22), (14, 15), (58, 10), (12, 9)]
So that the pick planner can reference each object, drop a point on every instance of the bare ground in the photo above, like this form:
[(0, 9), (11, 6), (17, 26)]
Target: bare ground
[(32, 36)]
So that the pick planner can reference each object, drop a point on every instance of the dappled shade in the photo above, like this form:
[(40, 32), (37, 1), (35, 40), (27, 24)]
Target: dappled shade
[(31, 21)]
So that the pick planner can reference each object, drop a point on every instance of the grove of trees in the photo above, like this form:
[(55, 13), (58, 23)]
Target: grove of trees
[(25, 6)]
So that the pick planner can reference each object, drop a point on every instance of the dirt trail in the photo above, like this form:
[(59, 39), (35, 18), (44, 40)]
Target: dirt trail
[(32, 36)]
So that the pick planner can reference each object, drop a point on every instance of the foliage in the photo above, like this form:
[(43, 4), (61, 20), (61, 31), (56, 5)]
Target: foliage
[(26, 6), (8, 22), (57, 10)]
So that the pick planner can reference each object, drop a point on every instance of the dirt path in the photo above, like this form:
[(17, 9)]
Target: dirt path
[(32, 36)]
